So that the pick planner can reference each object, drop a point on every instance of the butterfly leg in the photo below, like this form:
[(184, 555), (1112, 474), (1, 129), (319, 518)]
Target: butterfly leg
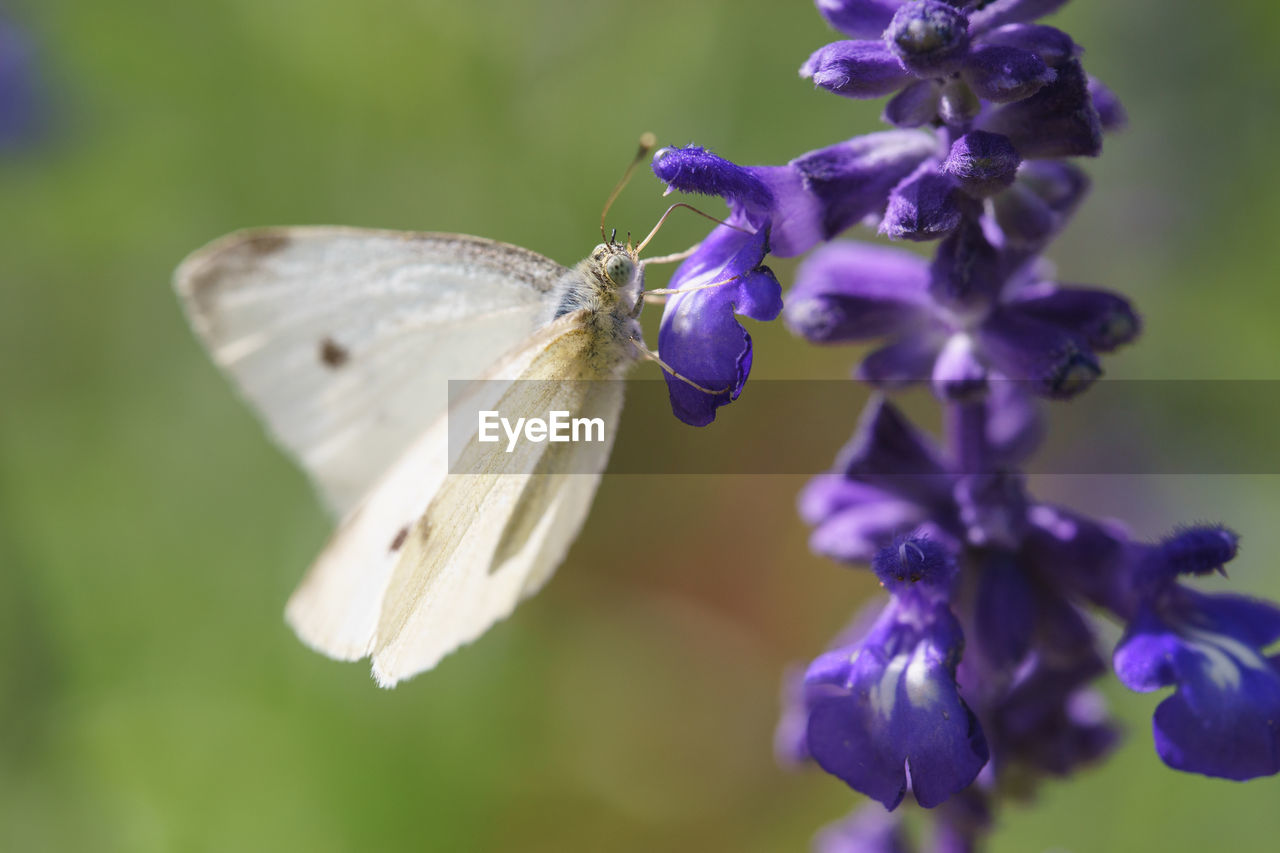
[(671, 259), (645, 352), (661, 294)]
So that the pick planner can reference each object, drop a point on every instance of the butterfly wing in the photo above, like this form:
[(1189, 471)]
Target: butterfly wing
[(493, 535), (338, 606), (345, 339)]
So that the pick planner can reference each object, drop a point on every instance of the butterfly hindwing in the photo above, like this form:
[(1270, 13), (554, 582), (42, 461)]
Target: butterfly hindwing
[(490, 538)]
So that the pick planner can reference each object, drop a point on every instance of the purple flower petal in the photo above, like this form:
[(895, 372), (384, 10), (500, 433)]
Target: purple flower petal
[(1022, 347), (700, 338), (694, 169), (852, 291), (855, 69), (1002, 12), (887, 444), (1110, 111), (1085, 556), (859, 18), (1005, 610), (790, 738), (1143, 659), (914, 106), (903, 362), (966, 271), (853, 179), (900, 709), (1224, 718), (888, 452), (1039, 203), (827, 494), (983, 163), (1060, 185), (1057, 121), (1105, 320), (931, 38), (922, 207), (796, 217), (1250, 621), (1003, 74), (1048, 720), (1231, 733), (856, 533), (1014, 425), (1052, 45), (992, 507)]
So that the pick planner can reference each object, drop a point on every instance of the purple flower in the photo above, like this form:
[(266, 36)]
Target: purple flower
[(783, 209), (1032, 653), (1059, 120), (700, 337), (1006, 91), (1036, 207), (1110, 111), (943, 62), (889, 705), (985, 161), (982, 163), (20, 108), (1049, 720), (1224, 717), (935, 198), (811, 199), (959, 322), (888, 479)]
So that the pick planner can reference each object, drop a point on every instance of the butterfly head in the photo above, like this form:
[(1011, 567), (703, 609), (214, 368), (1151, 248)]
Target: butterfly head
[(617, 263)]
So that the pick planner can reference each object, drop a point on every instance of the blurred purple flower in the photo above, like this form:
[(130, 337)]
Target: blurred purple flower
[(20, 103), (1224, 717), (960, 322)]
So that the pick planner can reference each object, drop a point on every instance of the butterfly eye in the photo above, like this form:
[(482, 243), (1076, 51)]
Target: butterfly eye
[(619, 269)]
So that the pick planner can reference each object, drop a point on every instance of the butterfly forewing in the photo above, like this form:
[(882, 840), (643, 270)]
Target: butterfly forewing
[(345, 339)]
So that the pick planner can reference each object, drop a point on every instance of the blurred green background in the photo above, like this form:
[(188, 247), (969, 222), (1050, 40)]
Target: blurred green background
[(151, 697)]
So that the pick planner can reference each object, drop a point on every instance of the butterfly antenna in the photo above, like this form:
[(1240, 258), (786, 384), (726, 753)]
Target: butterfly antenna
[(647, 143), (654, 232)]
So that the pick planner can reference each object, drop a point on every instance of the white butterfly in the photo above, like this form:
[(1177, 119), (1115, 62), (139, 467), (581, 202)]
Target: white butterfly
[(345, 341)]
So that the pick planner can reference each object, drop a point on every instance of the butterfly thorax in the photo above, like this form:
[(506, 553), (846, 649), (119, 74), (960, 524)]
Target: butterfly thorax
[(607, 287)]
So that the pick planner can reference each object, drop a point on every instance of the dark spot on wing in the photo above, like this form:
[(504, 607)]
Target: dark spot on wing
[(398, 542), (265, 244), (333, 354)]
